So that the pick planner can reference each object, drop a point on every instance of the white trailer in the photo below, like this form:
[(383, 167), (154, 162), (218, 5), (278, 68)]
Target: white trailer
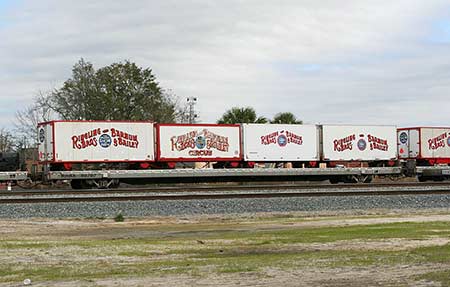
[(280, 142), (425, 143), (95, 141), (358, 143), (198, 142)]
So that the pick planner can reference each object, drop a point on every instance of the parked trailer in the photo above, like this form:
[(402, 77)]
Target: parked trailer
[(428, 148), (95, 141), (198, 142), (359, 143), (352, 145), (62, 144), (280, 143), (425, 144)]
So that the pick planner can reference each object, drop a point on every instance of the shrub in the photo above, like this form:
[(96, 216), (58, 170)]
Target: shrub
[(119, 217)]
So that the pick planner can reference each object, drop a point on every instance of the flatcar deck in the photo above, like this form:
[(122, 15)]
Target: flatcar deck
[(13, 175), (209, 173)]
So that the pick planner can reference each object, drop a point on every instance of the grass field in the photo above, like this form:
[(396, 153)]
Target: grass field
[(397, 250)]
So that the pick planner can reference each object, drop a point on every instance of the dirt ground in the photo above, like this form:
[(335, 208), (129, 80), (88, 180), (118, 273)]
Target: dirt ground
[(171, 227)]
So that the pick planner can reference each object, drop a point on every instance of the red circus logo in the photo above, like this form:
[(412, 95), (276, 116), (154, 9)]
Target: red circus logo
[(200, 143), (105, 138), (282, 138)]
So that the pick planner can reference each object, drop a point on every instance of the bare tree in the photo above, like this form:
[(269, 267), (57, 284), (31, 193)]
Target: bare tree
[(7, 142), (28, 119)]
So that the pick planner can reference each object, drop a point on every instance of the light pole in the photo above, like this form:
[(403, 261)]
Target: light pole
[(191, 103)]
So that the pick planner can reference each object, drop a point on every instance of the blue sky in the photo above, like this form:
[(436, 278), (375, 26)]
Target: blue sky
[(440, 31), (5, 7), (4, 4), (355, 62)]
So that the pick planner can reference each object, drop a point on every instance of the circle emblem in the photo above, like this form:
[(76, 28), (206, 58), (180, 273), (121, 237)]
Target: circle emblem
[(403, 137), (362, 144), (282, 140), (105, 140), (200, 142), (41, 135), (448, 141)]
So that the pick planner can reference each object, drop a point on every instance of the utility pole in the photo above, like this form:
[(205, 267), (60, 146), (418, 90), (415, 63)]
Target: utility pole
[(191, 104)]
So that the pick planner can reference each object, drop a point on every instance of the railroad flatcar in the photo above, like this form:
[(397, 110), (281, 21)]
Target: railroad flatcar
[(121, 145), (103, 153)]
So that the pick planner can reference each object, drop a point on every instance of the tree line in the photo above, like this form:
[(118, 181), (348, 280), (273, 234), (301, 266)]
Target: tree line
[(120, 91)]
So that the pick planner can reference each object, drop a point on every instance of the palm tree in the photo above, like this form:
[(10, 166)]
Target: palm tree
[(241, 116), (285, 118)]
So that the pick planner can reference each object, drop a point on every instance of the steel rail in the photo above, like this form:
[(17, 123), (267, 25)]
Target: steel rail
[(209, 188)]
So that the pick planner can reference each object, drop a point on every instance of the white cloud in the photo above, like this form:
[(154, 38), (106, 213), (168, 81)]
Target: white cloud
[(371, 59)]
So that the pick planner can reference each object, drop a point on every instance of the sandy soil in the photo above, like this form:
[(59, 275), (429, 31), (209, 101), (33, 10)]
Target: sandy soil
[(138, 227), (148, 227)]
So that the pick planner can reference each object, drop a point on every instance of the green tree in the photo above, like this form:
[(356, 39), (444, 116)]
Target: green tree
[(120, 91), (241, 116), (79, 97), (285, 118)]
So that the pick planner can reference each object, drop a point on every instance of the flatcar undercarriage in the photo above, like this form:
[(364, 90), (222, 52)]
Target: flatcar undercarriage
[(112, 178)]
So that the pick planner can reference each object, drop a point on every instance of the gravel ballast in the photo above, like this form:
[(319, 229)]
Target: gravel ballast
[(222, 206)]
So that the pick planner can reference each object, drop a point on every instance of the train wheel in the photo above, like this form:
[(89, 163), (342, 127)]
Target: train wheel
[(334, 180), (115, 184), (350, 179), (422, 178), (76, 184)]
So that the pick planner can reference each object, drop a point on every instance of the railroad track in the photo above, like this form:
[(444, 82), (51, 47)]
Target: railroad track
[(222, 187), (204, 193)]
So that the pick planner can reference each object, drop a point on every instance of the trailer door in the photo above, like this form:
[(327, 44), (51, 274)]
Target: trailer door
[(45, 141), (414, 143), (403, 143)]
